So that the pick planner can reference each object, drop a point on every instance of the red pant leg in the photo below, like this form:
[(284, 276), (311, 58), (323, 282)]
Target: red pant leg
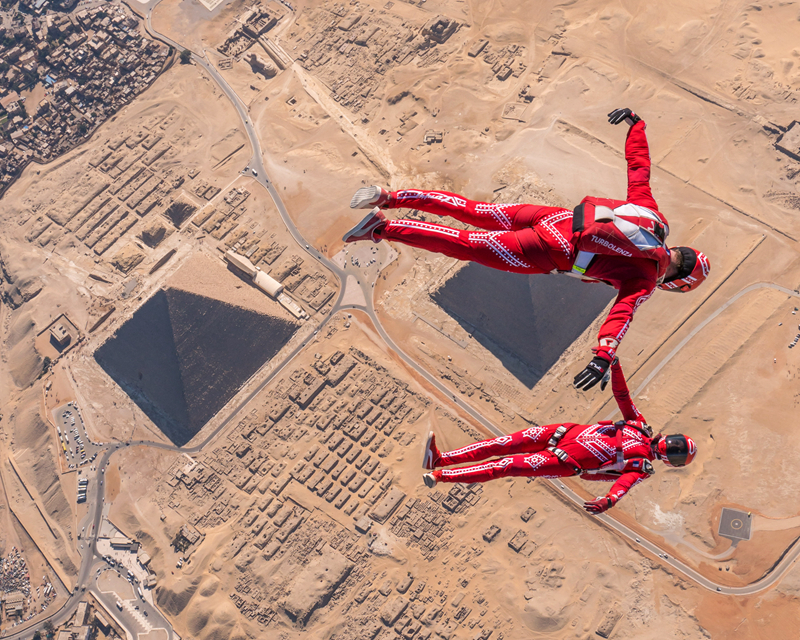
[(542, 464), (484, 215), (496, 249), (526, 441)]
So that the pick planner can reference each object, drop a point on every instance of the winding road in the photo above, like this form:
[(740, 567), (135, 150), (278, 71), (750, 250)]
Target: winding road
[(92, 560), (790, 555)]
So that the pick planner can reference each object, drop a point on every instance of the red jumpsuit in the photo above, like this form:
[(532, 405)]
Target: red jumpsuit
[(592, 448), (526, 238)]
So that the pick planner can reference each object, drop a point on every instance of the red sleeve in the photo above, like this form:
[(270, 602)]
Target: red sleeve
[(637, 154), (625, 483), (632, 293), (622, 484), (622, 395)]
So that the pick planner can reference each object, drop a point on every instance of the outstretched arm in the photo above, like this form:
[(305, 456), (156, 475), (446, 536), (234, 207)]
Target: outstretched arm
[(621, 394), (637, 154), (631, 295), (623, 484)]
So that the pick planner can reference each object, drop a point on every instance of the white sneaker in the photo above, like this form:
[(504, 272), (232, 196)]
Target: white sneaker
[(368, 197), (430, 481), (365, 229)]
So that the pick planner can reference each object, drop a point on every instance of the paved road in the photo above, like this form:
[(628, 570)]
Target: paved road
[(367, 288), (91, 559)]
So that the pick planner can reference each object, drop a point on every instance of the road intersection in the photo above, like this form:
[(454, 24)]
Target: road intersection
[(354, 281)]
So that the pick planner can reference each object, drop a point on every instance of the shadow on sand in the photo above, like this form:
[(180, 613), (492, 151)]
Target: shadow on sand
[(526, 321)]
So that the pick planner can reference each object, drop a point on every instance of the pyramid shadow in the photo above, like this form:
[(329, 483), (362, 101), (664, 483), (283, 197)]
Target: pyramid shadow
[(182, 356), (526, 321)]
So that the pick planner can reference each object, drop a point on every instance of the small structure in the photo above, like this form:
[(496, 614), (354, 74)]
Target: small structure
[(432, 136), (59, 335), (268, 284), (13, 604), (789, 142), (241, 263), (80, 614), (263, 281), (476, 49), (518, 541), (491, 533), (264, 67), (101, 622), (191, 534), (440, 28), (123, 543)]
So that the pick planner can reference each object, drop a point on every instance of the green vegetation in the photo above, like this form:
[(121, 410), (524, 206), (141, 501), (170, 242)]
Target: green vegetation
[(186, 56)]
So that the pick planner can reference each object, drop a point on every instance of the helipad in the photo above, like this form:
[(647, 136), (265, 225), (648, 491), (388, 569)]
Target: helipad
[(734, 524)]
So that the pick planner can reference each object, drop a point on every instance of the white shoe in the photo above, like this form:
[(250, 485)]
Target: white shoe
[(368, 197), (365, 229), (431, 453), (430, 481)]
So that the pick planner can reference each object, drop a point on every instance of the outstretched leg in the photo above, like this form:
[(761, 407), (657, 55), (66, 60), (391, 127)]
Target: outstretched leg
[(542, 464), (528, 440), (492, 216), (495, 249)]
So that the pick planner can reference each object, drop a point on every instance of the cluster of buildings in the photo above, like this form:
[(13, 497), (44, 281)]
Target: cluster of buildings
[(262, 258), (325, 431), (352, 49), (85, 624), (250, 28), (91, 63), (19, 601), (423, 522), (121, 188), (318, 451), (506, 61), (306, 478)]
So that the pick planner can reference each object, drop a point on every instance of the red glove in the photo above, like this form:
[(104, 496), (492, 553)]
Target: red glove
[(599, 505)]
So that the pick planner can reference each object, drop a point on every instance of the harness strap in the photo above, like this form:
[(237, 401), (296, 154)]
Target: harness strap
[(582, 262), (566, 458), (557, 435)]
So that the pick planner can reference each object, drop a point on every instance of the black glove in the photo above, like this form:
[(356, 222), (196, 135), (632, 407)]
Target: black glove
[(607, 375), (592, 374), (618, 115), (598, 505)]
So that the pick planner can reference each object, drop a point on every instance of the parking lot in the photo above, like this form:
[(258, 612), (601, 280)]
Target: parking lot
[(78, 449)]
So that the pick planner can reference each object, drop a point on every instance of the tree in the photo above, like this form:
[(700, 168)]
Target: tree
[(49, 629), (186, 56), (37, 635)]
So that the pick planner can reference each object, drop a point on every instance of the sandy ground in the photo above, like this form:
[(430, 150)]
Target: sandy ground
[(717, 86)]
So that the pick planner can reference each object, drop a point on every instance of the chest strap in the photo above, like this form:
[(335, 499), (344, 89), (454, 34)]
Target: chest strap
[(582, 262), (620, 454)]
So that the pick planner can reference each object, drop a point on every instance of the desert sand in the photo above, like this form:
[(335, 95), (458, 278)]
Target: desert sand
[(297, 505)]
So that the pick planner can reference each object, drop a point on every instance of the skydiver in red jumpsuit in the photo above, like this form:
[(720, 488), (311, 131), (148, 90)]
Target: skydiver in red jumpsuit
[(618, 452), (526, 238)]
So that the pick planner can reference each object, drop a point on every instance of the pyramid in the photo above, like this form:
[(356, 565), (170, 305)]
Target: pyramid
[(182, 356), (531, 319)]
